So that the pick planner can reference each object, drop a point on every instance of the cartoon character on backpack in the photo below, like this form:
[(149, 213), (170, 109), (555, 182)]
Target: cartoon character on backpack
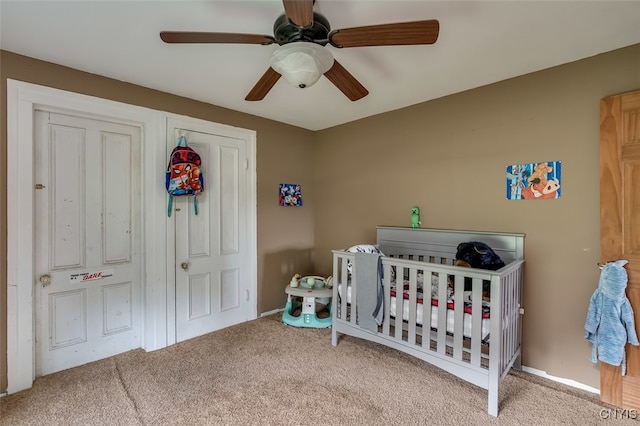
[(185, 179), (183, 175)]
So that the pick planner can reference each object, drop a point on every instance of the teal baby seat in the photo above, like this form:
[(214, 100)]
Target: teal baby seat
[(308, 289)]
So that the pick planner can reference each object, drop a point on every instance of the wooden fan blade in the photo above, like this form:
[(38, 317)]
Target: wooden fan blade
[(343, 80), (299, 12), (204, 37), (262, 87), (403, 33)]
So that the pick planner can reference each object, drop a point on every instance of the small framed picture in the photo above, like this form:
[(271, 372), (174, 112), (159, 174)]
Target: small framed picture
[(534, 181), (290, 195)]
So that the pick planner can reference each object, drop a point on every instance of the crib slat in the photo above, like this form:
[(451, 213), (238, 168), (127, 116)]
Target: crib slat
[(441, 344), (458, 316), (476, 321), (338, 299), (399, 301), (386, 287), (413, 306), (514, 313), (506, 309), (354, 292), (345, 282)]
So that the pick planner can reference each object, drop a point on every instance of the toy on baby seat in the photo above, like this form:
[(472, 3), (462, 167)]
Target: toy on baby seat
[(295, 280), (329, 282), (310, 281)]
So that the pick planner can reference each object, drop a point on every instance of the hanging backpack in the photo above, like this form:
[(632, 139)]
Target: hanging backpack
[(183, 176)]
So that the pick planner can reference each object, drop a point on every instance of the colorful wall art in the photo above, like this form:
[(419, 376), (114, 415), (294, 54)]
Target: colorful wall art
[(290, 195), (534, 181)]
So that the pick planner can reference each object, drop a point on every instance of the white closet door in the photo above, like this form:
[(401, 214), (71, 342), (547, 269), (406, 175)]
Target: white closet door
[(87, 232), (212, 248)]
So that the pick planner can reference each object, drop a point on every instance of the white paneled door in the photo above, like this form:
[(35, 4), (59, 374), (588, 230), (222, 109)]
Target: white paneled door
[(87, 240), (212, 248)]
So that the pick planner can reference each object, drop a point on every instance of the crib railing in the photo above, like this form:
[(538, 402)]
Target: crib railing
[(508, 309), (458, 333), (460, 341)]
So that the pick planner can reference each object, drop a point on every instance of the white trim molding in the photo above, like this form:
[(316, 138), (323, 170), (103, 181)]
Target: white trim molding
[(567, 382)]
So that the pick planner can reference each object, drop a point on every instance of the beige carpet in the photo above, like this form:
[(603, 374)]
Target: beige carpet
[(266, 373)]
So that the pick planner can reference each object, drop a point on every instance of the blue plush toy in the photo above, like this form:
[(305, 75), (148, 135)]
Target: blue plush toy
[(415, 217), (610, 324)]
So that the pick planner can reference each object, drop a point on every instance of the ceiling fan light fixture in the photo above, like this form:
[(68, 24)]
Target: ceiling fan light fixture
[(301, 63)]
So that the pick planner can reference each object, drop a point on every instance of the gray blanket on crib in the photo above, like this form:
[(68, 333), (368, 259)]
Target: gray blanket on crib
[(368, 269)]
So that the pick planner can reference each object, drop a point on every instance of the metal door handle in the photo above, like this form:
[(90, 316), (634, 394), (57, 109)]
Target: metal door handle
[(184, 265), (45, 280)]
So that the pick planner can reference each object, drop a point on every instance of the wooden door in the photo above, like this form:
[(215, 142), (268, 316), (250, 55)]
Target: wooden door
[(87, 227), (620, 226), (212, 247)]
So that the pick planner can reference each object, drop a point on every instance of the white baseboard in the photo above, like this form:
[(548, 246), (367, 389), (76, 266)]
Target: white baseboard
[(275, 311), (568, 382)]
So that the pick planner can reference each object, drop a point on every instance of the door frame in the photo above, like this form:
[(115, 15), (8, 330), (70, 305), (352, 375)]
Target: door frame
[(158, 318)]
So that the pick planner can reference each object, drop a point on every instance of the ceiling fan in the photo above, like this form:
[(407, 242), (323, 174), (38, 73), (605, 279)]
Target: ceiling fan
[(302, 56)]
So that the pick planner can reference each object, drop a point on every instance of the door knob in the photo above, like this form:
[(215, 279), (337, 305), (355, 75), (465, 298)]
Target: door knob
[(184, 265), (45, 280)]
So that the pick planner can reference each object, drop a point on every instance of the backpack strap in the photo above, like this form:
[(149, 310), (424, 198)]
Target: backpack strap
[(170, 205), (195, 204), (182, 141)]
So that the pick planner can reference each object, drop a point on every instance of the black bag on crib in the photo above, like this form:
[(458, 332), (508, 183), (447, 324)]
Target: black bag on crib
[(476, 254)]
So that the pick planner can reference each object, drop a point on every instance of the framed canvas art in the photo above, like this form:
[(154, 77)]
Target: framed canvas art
[(290, 195), (534, 181)]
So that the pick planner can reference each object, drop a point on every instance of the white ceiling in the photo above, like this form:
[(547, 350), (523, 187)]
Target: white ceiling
[(480, 42)]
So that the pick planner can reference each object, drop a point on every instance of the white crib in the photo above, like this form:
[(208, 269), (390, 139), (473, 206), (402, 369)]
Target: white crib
[(475, 344)]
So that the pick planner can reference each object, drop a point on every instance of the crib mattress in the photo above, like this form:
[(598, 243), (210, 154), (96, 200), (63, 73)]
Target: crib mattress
[(467, 318)]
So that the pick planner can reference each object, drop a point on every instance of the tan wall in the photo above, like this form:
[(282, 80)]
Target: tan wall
[(448, 156), (284, 154)]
